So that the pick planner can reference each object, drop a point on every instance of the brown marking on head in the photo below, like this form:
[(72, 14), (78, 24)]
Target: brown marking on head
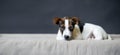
[(56, 20), (76, 20), (61, 22), (72, 20)]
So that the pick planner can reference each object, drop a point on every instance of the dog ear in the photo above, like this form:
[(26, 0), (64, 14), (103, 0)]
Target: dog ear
[(76, 20), (56, 20)]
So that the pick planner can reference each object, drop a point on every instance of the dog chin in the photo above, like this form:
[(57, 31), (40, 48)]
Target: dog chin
[(67, 39)]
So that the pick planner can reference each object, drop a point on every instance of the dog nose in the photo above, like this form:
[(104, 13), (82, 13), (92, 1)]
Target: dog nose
[(66, 37)]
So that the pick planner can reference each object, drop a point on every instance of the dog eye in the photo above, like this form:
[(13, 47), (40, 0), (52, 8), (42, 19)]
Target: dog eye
[(62, 28), (71, 28)]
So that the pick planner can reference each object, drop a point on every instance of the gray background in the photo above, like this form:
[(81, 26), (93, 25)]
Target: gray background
[(35, 16)]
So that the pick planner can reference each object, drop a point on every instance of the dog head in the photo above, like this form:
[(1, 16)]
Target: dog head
[(66, 26)]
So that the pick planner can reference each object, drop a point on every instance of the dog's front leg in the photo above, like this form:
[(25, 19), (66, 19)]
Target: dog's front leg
[(59, 36)]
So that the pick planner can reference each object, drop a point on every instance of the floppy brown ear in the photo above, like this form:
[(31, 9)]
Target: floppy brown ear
[(56, 20), (76, 20)]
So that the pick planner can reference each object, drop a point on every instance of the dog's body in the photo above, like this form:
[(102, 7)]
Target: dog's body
[(71, 28)]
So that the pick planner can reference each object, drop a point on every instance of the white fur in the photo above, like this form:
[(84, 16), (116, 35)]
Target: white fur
[(88, 30), (98, 32), (66, 31), (59, 36)]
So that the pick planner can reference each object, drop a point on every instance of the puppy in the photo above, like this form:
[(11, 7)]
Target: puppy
[(71, 28)]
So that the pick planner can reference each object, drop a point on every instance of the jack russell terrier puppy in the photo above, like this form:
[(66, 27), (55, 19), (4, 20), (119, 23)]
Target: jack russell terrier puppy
[(71, 28)]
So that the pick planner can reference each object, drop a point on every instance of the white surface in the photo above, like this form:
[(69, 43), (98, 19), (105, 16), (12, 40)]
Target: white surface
[(46, 44), (27, 36), (40, 36)]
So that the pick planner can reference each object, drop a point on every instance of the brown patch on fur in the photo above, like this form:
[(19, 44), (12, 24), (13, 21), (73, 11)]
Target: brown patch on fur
[(76, 20), (76, 32), (58, 20), (92, 36)]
